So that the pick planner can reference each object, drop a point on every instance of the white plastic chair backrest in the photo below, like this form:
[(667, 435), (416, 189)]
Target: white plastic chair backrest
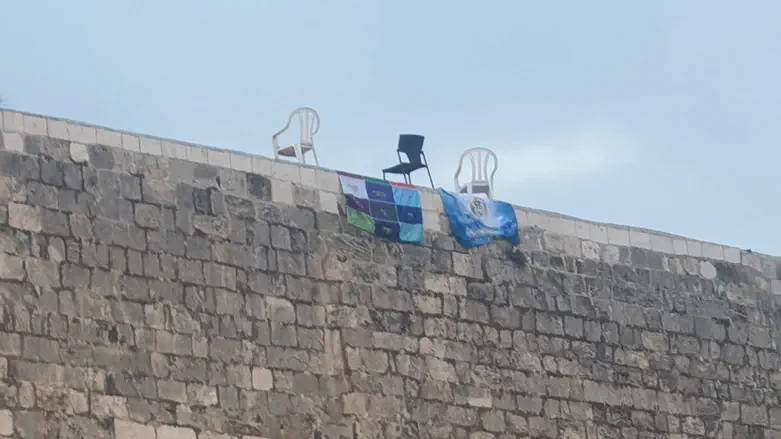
[(308, 122), (482, 160)]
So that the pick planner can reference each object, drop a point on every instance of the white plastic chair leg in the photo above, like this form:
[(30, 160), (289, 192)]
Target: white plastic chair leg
[(299, 155)]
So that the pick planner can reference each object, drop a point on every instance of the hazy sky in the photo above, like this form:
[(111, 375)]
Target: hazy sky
[(659, 114)]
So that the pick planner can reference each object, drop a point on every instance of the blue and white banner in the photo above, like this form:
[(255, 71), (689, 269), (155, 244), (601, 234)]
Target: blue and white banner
[(476, 221)]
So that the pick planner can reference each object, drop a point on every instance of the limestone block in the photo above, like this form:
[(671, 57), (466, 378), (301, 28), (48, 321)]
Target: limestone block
[(13, 142), (82, 133), (355, 403), (219, 158), (493, 421), (281, 191), (707, 270), (262, 379), (590, 250), (26, 395), (172, 432), (148, 145), (174, 150), (431, 220), (679, 247), (618, 236), (753, 415), (308, 177), (328, 202), (430, 200), (78, 402), (109, 138), (6, 423), (480, 398), (34, 125), (286, 171), (261, 165), (598, 233), (170, 390), (582, 229), (565, 244), (11, 267), (57, 129), (196, 154), (662, 244), (13, 122), (209, 435), (108, 406), (712, 251), (562, 226), (241, 162), (541, 220), (732, 254), (131, 142), (694, 249), (753, 261), (202, 395), (327, 180), (79, 152)]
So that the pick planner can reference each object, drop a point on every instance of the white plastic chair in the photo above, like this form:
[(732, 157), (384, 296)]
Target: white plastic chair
[(309, 124), (481, 159)]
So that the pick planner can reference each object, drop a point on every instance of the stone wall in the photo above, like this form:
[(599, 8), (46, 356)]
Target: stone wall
[(156, 289)]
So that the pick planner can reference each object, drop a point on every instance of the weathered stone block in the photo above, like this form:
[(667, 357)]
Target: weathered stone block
[(41, 349), (10, 344), (148, 216), (172, 432), (218, 275), (79, 152), (132, 430), (549, 324), (262, 379), (24, 217), (280, 310), (170, 390), (6, 423), (284, 335), (493, 421), (11, 267), (753, 415)]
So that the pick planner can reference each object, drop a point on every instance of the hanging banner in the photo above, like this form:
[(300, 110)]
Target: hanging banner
[(475, 221), (389, 210)]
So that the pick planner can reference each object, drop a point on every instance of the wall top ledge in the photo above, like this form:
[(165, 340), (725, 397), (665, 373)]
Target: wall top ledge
[(24, 123)]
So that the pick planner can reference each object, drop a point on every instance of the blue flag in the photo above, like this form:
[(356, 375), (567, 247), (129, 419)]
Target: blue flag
[(476, 221)]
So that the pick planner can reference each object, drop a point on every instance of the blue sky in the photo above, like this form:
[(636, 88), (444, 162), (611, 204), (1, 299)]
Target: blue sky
[(659, 114)]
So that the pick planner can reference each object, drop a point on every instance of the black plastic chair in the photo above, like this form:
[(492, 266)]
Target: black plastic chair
[(412, 146)]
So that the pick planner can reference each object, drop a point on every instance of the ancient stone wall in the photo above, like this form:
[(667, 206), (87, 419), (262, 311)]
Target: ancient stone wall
[(157, 289)]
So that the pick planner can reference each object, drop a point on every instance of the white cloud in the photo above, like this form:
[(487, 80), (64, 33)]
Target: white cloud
[(589, 153)]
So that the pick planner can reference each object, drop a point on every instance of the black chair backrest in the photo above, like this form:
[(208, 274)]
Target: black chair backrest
[(412, 146)]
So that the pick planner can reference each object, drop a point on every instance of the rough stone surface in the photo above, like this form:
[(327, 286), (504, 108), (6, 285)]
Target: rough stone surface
[(153, 297), (79, 152)]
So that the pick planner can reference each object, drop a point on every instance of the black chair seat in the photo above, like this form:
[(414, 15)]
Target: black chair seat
[(403, 168)]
